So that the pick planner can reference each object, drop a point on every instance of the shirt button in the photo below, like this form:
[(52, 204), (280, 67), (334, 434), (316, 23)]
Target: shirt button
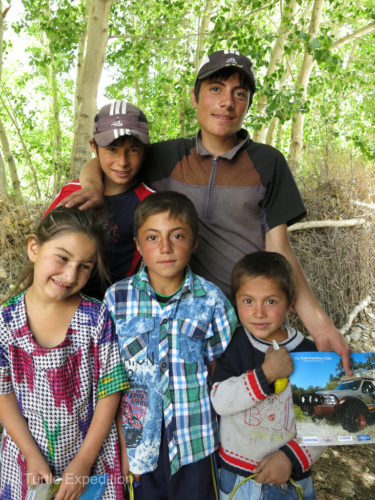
[(164, 365), (165, 321)]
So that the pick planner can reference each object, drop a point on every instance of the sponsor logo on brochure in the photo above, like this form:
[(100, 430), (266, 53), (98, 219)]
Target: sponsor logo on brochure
[(345, 439), (310, 439), (363, 437), (328, 439)]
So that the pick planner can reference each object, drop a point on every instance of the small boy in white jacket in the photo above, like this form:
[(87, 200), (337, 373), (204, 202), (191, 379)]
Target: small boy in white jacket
[(257, 424)]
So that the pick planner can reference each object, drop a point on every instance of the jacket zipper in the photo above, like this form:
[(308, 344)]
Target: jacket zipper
[(211, 186)]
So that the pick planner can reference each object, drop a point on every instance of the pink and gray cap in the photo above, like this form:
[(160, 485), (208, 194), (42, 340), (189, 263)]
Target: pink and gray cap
[(117, 119), (227, 59)]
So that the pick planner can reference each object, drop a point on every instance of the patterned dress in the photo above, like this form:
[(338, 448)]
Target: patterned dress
[(57, 391)]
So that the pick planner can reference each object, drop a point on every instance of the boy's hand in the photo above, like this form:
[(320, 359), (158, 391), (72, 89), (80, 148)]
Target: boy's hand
[(38, 471), (275, 468), (88, 197), (277, 364), (332, 339)]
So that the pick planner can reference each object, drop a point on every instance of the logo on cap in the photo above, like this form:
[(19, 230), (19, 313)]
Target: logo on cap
[(231, 60), (117, 124)]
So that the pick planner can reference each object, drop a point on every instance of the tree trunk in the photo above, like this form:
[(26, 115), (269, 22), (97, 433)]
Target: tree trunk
[(279, 135), (10, 162), (3, 174), (12, 115), (271, 130), (1, 36), (3, 178), (296, 143), (202, 26), (80, 60), (55, 109), (200, 52), (89, 78), (273, 124), (57, 143), (290, 10)]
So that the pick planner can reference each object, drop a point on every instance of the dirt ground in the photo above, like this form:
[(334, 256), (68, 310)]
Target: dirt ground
[(346, 472)]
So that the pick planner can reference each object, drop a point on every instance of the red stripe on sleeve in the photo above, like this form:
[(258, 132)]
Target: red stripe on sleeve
[(237, 461), (254, 384), (300, 454)]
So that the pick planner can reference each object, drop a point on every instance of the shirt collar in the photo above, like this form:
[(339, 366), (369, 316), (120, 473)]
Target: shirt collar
[(293, 340), (242, 135), (191, 283)]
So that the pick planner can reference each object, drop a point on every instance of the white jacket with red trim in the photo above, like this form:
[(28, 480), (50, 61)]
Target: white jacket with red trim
[(253, 420)]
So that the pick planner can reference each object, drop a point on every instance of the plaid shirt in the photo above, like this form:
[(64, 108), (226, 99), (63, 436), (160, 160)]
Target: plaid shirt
[(165, 352)]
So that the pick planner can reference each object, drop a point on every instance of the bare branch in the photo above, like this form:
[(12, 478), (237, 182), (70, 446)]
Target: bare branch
[(313, 224), (358, 308), (352, 36)]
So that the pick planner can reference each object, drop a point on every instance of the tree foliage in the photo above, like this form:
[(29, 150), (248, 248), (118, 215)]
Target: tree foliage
[(153, 52)]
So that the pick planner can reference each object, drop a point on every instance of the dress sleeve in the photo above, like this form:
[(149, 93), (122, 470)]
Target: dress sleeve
[(224, 323), (6, 386), (111, 372)]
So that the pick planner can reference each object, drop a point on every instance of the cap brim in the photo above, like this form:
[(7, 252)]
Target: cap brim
[(104, 139)]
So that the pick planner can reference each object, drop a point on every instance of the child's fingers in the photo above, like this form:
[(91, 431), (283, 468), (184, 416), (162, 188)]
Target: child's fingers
[(69, 491), (48, 477)]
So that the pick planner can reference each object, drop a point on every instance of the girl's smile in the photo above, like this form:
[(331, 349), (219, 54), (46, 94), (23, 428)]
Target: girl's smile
[(62, 265)]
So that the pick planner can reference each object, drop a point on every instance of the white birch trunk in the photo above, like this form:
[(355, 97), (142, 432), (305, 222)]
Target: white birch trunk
[(89, 78), (10, 162), (276, 57), (3, 178), (296, 143)]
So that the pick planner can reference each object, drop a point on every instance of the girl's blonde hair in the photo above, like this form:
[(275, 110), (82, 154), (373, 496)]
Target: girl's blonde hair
[(60, 221)]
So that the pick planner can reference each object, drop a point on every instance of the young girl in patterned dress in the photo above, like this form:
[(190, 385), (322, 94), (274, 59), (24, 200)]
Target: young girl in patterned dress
[(60, 371)]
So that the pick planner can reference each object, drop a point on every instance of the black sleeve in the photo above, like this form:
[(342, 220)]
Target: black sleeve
[(239, 357), (283, 202)]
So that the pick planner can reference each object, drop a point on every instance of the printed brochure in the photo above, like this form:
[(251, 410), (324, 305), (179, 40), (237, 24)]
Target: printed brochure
[(47, 491), (332, 408)]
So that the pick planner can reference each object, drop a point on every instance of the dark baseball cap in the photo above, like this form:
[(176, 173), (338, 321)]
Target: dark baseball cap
[(227, 59), (120, 118)]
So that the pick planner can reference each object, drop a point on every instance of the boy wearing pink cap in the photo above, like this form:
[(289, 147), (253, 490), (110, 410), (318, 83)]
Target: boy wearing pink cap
[(120, 139)]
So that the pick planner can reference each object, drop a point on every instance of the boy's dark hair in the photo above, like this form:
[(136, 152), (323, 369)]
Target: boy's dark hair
[(177, 204), (63, 220), (120, 141), (271, 265), (223, 75)]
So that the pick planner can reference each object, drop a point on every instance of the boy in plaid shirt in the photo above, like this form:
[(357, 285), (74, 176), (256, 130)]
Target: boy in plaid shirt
[(172, 325)]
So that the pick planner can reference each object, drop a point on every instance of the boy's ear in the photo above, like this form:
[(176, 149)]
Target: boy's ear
[(195, 244), (93, 147), (137, 245), (291, 305), (193, 99), (33, 246)]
